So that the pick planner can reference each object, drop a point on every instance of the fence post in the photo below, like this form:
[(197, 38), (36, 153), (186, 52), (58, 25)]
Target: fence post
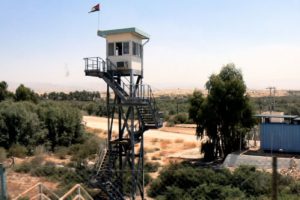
[(40, 188), (274, 178), (3, 194)]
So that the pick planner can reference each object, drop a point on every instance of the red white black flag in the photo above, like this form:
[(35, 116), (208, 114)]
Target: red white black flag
[(95, 8)]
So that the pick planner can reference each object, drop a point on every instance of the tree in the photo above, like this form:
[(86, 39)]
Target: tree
[(19, 124), (62, 122), (3, 90), (225, 115), (25, 94)]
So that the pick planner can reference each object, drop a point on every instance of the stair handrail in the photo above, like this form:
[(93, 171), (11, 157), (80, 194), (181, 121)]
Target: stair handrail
[(81, 193), (155, 108), (111, 66), (115, 189), (101, 160), (42, 188)]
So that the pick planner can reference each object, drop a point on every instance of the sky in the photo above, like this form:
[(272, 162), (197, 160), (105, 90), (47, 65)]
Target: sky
[(43, 43)]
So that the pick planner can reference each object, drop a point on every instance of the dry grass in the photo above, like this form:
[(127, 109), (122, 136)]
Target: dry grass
[(164, 143), (179, 140), (189, 145), (155, 158), (154, 140), (146, 158), (151, 150), (163, 153), (94, 130)]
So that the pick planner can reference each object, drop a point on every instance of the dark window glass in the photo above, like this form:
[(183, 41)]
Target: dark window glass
[(119, 48), (110, 49), (134, 48), (122, 64), (126, 47), (138, 50), (141, 51)]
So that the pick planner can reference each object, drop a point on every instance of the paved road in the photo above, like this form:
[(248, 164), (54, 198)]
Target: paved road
[(261, 162)]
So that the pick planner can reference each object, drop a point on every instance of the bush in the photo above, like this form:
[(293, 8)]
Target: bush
[(37, 161), (181, 118), (90, 147), (3, 154), (61, 152), (25, 167), (39, 150), (151, 166), (17, 150), (185, 181)]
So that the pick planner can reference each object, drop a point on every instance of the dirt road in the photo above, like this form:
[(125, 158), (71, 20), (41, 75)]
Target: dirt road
[(101, 123)]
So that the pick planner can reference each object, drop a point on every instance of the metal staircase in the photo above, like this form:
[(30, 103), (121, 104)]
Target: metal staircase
[(143, 98), (104, 173)]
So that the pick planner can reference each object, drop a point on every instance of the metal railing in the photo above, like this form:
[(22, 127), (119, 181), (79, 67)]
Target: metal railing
[(99, 64), (101, 160), (95, 64)]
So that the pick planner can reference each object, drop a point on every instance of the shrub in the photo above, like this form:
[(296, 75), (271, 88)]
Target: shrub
[(61, 152), (37, 161), (181, 118), (185, 181), (17, 150), (3, 154), (170, 123), (25, 167), (39, 150), (152, 166), (90, 147)]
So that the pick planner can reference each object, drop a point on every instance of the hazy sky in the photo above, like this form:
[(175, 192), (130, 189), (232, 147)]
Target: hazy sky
[(44, 41)]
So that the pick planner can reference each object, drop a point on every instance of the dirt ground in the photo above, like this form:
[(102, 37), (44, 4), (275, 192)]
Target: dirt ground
[(163, 145), (17, 183)]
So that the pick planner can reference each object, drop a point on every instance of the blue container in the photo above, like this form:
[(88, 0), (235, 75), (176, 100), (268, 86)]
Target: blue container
[(280, 137)]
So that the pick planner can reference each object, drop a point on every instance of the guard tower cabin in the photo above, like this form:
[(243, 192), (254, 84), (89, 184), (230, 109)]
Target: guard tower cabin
[(124, 49)]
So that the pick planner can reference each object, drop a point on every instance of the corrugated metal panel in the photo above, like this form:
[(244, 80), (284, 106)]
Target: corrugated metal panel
[(280, 137)]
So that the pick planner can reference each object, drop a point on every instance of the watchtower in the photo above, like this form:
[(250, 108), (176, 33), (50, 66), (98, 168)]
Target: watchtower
[(132, 106), (124, 48)]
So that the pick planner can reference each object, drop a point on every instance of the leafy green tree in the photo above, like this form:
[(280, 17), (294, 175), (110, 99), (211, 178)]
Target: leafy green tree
[(3, 90), (225, 115), (30, 125), (19, 124), (62, 122), (25, 94)]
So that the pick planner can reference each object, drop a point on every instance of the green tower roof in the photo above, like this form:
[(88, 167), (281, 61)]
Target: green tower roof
[(133, 30)]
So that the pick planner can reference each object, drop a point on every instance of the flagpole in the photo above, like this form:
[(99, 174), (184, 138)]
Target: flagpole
[(98, 19)]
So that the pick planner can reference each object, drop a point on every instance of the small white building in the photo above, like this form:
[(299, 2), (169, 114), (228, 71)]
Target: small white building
[(124, 49), (275, 117)]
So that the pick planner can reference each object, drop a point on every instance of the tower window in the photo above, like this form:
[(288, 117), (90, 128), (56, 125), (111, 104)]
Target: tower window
[(110, 49), (122, 64), (126, 47), (119, 49), (137, 49), (134, 48)]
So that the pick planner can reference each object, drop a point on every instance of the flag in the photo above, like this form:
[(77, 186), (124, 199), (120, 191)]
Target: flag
[(95, 8)]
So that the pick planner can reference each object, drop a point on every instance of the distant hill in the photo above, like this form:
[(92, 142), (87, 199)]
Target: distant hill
[(251, 92), (98, 86)]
